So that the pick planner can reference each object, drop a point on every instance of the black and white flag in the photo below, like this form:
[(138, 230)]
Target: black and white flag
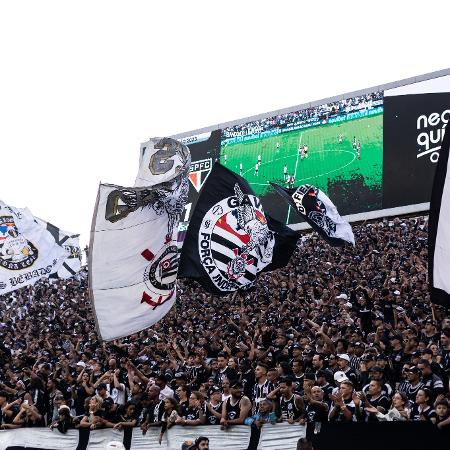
[(70, 243), (230, 239), (133, 260), (319, 211), (439, 230)]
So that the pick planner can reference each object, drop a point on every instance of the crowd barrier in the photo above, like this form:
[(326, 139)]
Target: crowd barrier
[(234, 438), (335, 436)]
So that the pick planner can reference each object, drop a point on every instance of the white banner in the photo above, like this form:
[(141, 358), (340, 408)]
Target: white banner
[(235, 438), (281, 435), (133, 262), (28, 251), (70, 243)]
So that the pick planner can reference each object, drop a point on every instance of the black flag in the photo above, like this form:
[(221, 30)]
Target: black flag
[(319, 211), (230, 239), (439, 230)]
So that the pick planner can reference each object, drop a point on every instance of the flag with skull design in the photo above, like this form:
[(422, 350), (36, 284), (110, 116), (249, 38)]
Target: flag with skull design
[(230, 239)]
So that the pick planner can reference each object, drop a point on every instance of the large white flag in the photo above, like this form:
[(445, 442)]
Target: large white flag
[(70, 243), (28, 251), (133, 261), (439, 229)]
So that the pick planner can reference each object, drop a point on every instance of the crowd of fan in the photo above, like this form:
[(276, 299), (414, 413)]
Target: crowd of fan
[(307, 115), (338, 335)]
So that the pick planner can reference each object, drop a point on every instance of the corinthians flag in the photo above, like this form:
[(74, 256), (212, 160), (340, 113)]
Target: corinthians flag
[(439, 230), (28, 251), (319, 211), (230, 239), (134, 255)]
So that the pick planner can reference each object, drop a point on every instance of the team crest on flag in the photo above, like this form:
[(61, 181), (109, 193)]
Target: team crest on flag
[(161, 275), (235, 242), (199, 171), (16, 252)]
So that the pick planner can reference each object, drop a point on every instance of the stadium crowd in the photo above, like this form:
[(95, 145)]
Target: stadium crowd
[(307, 115), (339, 335)]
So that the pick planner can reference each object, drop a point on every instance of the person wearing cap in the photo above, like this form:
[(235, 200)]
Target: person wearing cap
[(344, 366), (414, 383), (377, 373), (236, 409), (214, 406)]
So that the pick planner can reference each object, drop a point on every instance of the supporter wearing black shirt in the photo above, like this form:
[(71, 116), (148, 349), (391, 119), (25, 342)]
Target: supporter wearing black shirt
[(224, 372), (316, 408), (430, 380), (376, 399), (422, 409), (236, 409), (344, 408), (214, 406), (195, 414)]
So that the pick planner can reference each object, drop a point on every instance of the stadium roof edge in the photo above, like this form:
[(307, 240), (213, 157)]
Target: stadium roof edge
[(391, 85)]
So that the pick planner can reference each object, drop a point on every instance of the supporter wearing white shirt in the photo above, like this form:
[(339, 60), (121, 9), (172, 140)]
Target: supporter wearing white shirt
[(166, 391)]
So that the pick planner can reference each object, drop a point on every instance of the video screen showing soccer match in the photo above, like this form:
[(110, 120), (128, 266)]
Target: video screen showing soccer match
[(338, 147)]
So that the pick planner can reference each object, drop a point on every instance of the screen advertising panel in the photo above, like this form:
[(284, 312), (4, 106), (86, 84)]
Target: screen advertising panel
[(368, 152), (415, 119)]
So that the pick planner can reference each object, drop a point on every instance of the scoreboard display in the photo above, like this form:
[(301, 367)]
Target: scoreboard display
[(373, 153)]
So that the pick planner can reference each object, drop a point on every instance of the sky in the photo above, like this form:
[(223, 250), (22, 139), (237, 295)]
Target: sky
[(83, 83)]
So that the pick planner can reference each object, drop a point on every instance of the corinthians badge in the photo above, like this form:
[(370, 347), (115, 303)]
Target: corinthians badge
[(16, 252), (235, 242), (160, 276)]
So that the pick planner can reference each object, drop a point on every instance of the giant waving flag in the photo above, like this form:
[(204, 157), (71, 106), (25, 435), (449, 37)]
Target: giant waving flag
[(28, 251), (134, 254), (319, 211), (439, 230), (230, 239)]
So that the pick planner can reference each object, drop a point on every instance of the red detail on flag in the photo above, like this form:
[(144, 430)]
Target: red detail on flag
[(148, 255), (222, 223), (260, 217), (194, 178), (155, 303)]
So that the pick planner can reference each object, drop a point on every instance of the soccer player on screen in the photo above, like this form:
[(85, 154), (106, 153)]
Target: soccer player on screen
[(354, 143), (259, 158), (340, 138), (256, 169), (359, 149), (285, 172), (291, 182), (306, 148), (301, 152), (240, 169)]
